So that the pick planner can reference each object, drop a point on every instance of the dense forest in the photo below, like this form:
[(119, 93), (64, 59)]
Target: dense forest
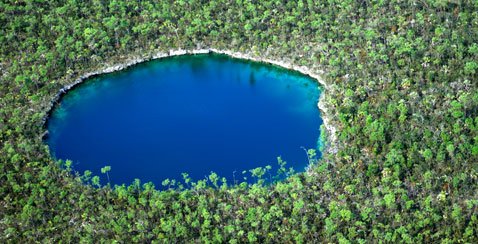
[(401, 90)]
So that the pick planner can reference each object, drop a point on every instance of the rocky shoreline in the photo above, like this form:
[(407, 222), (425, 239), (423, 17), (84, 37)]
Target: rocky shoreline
[(325, 113)]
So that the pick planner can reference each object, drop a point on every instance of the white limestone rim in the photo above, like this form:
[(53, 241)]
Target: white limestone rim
[(325, 113)]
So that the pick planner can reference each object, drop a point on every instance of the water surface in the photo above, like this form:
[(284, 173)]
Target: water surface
[(193, 114)]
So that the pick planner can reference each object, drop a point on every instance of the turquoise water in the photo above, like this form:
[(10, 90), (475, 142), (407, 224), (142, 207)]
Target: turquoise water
[(193, 114)]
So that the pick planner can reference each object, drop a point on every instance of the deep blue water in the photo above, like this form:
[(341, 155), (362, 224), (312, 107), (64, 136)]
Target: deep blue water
[(193, 114)]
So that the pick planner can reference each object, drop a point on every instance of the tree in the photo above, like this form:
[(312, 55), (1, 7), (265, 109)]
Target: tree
[(105, 170)]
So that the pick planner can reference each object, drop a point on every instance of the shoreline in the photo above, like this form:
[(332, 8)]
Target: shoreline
[(331, 130)]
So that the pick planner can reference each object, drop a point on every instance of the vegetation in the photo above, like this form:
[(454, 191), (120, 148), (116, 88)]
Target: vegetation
[(401, 89)]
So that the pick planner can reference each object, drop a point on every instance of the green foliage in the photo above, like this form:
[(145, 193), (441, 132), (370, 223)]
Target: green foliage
[(401, 90)]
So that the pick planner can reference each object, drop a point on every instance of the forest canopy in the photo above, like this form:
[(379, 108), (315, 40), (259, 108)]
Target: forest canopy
[(401, 90)]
